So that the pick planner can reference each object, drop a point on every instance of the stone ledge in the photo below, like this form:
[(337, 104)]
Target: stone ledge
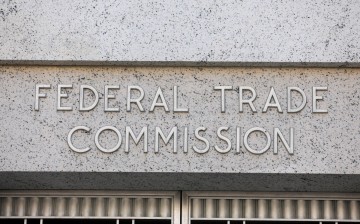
[(181, 63), (180, 181)]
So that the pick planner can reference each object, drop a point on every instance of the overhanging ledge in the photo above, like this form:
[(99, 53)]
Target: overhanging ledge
[(180, 181), (278, 64)]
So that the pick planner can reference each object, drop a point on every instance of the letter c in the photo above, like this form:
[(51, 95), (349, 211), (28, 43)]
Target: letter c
[(70, 142)]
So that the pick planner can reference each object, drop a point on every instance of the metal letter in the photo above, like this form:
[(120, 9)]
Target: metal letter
[(108, 96), (186, 140), (105, 129), (40, 95), (228, 148), (176, 109), (129, 132), (160, 104), (206, 149), (137, 101), (272, 95), (247, 144), (158, 132), (248, 101), (316, 98), (297, 89), (70, 136), (290, 148), (63, 95), (82, 108), (238, 139), (223, 88)]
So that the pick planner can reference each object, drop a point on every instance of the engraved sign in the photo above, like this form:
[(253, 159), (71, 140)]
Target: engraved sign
[(272, 101), (162, 119)]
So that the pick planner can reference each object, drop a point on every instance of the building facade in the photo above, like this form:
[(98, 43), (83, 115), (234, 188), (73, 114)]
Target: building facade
[(180, 112)]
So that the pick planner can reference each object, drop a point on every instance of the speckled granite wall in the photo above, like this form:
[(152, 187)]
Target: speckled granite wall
[(248, 32), (34, 153), (325, 143)]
